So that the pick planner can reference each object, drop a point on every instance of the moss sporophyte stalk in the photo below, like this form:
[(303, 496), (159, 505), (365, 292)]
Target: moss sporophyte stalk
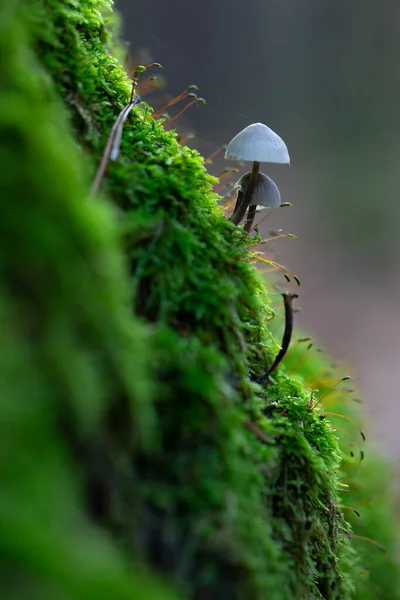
[(143, 458)]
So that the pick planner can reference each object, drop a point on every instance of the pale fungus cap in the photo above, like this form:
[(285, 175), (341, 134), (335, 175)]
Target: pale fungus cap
[(258, 143), (266, 193)]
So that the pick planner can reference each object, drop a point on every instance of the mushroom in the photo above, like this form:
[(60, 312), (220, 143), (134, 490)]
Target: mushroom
[(256, 143), (266, 194)]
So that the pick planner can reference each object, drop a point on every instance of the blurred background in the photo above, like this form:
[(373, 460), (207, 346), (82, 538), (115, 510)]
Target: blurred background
[(325, 75)]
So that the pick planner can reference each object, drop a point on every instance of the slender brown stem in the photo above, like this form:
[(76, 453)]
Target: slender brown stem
[(168, 121), (241, 210), (251, 213), (209, 158), (287, 336), (178, 98)]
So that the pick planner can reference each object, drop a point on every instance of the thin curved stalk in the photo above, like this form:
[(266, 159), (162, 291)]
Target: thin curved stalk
[(287, 336)]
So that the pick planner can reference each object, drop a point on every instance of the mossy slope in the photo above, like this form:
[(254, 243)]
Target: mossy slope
[(167, 447)]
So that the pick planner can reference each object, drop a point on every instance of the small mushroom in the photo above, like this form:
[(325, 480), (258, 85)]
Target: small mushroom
[(266, 193), (256, 143)]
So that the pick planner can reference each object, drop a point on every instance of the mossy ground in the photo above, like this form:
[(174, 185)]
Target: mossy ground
[(144, 372)]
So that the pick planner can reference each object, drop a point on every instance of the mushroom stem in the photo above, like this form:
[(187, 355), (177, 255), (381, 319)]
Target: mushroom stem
[(251, 213), (241, 209), (238, 201)]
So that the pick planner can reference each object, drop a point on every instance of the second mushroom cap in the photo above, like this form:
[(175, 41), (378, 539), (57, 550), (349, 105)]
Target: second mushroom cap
[(266, 193)]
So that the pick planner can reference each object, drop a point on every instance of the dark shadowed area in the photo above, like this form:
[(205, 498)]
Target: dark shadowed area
[(325, 76)]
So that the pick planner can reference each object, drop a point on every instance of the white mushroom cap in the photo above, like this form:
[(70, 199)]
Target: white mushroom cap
[(258, 143), (266, 193)]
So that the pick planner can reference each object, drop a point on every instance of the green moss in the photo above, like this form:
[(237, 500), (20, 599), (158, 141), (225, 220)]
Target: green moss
[(69, 347), (183, 462), (366, 480), (372, 493)]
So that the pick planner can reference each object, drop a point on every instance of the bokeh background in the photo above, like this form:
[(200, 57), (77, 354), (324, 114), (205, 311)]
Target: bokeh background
[(325, 75)]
